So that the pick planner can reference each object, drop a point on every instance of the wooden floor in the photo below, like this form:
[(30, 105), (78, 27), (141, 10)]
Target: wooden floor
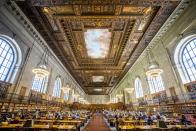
[(97, 123)]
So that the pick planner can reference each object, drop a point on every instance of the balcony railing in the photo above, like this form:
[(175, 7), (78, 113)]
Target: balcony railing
[(4, 86), (188, 97), (33, 98)]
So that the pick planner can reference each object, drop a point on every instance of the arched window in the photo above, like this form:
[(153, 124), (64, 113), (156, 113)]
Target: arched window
[(9, 58), (155, 84), (40, 84), (57, 88), (185, 58), (138, 88)]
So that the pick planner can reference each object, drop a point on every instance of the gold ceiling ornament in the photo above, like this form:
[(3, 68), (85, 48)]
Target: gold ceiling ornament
[(73, 20), (41, 70), (148, 10), (153, 68), (129, 90), (98, 89), (99, 24), (46, 10)]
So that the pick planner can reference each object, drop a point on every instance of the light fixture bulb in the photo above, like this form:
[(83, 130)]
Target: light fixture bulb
[(40, 72), (154, 70), (129, 90), (66, 89)]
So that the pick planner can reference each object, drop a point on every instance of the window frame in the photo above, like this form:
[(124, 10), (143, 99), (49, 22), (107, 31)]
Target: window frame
[(156, 85), (178, 54), (42, 82), (55, 92), (138, 87), (17, 58), (183, 61)]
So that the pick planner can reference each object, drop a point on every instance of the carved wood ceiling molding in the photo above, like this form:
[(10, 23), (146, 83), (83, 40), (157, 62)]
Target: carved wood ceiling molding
[(132, 27)]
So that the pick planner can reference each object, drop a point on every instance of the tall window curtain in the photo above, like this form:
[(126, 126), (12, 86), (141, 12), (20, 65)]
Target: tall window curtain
[(138, 88), (57, 88)]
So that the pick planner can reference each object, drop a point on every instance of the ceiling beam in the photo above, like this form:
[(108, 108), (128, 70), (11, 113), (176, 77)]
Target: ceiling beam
[(109, 17), (96, 86), (48, 3)]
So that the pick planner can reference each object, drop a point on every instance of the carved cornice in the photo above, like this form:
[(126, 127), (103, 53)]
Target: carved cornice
[(102, 2)]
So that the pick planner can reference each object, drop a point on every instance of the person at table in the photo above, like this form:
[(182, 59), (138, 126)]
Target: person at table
[(163, 117), (133, 117), (154, 117), (139, 117), (16, 120), (149, 120), (160, 122), (184, 121), (36, 115), (2, 118), (77, 116)]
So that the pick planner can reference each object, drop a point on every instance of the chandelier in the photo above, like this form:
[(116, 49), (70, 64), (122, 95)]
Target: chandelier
[(76, 95), (66, 89), (129, 90), (40, 70), (153, 69)]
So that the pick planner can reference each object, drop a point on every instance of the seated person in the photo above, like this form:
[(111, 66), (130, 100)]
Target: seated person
[(77, 116), (184, 121), (160, 122), (73, 116), (16, 120), (149, 120)]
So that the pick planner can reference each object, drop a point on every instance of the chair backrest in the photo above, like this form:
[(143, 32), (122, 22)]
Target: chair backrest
[(161, 124)]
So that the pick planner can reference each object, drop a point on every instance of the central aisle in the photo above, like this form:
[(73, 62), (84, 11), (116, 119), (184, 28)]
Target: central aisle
[(97, 123)]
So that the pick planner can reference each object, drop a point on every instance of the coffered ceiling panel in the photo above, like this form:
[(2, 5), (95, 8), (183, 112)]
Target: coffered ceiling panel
[(98, 40)]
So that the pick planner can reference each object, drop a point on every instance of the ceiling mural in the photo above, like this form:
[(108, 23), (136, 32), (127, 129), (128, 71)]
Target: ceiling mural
[(98, 40)]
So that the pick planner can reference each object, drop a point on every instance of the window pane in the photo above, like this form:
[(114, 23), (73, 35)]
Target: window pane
[(7, 47), (188, 47), (155, 84), (57, 88), (138, 88), (1, 50), (3, 43), (6, 59), (40, 85)]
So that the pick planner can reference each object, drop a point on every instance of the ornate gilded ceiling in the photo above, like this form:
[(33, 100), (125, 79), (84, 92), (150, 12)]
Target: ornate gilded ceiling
[(98, 40)]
